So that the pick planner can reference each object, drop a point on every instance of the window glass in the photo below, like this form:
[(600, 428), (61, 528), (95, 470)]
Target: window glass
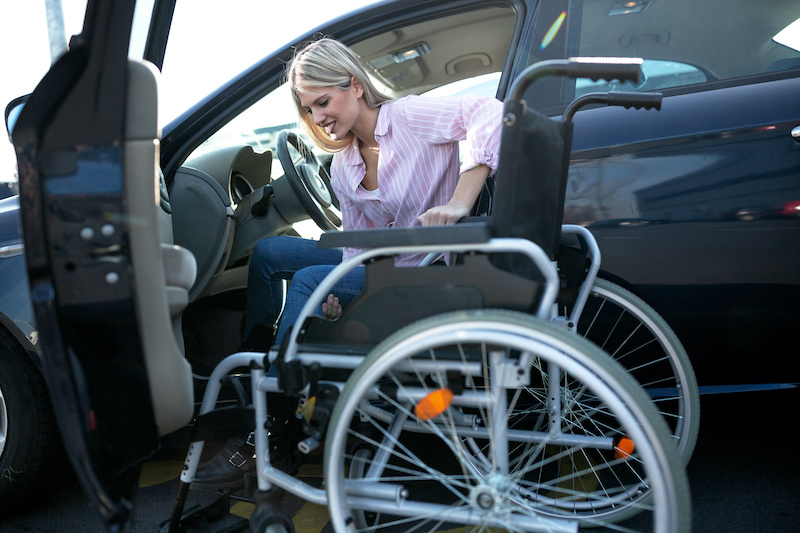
[(447, 71), (683, 42), (211, 42), (141, 25), (657, 75), (428, 58), (722, 39), (483, 85)]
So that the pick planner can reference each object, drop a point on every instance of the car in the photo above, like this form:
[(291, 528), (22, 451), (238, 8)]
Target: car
[(8, 189), (30, 446), (694, 207)]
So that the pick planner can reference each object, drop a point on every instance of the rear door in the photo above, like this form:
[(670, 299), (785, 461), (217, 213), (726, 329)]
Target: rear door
[(69, 144)]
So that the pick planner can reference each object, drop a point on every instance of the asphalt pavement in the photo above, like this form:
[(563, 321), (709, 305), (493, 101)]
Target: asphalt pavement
[(744, 477)]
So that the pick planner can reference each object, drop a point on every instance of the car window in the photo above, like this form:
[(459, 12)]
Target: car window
[(658, 75), (483, 85), (686, 45), (426, 58), (210, 44), (258, 126), (447, 71)]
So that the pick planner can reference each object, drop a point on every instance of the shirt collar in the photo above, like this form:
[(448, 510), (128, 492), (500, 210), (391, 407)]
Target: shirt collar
[(351, 156), (382, 126)]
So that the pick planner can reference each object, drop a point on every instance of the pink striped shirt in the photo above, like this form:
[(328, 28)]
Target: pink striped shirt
[(418, 165)]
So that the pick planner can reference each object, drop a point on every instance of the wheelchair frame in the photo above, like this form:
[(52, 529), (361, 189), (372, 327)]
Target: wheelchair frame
[(494, 500)]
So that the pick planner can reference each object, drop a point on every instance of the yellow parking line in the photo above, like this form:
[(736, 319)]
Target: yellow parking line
[(311, 517), (243, 509), (156, 472), (310, 470)]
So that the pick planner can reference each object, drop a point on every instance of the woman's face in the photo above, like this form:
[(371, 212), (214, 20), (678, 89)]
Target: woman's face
[(333, 109)]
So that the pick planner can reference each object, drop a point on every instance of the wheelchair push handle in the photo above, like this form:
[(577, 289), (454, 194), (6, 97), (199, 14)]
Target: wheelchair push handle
[(623, 99), (595, 68), (635, 100)]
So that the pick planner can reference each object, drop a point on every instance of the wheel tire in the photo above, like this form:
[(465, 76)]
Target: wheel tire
[(362, 520), (277, 522), (638, 338), (30, 444), (543, 478)]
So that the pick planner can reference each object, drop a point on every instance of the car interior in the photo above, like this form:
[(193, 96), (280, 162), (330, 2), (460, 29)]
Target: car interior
[(233, 189), (163, 272)]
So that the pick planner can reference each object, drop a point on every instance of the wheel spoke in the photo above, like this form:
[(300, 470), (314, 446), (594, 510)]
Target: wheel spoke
[(490, 458)]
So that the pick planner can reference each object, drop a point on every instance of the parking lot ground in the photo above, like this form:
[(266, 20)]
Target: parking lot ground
[(744, 478), (745, 472)]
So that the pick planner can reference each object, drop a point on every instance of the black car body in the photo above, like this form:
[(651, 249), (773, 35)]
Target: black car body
[(694, 207), (29, 438), (16, 311)]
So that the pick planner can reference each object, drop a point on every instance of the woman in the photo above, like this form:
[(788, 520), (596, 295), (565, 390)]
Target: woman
[(395, 164)]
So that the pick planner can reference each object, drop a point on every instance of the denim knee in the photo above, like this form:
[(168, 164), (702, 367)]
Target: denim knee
[(282, 256), (268, 251)]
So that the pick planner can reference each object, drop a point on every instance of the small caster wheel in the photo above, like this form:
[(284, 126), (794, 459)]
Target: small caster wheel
[(267, 517), (277, 522)]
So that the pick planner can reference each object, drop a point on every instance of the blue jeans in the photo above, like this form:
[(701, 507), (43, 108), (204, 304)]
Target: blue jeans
[(279, 259)]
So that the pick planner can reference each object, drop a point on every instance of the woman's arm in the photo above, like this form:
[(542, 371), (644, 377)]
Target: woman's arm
[(469, 186)]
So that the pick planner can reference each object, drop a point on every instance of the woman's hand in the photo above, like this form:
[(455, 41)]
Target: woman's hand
[(444, 214), (467, 190), (331, 308)]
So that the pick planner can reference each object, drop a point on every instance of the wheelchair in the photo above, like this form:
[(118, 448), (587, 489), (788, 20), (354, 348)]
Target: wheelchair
[(467, 396)]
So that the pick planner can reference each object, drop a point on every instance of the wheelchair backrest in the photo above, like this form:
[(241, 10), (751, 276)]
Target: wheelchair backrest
[(531, 181)]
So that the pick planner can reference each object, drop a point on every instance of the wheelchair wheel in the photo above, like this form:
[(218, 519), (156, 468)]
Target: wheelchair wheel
[(273, 522), (494, 419), (634, 334)]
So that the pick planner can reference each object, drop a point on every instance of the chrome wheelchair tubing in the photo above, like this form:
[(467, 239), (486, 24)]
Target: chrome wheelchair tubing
[(522, 246), (529, 524), (226, 366), (516, 337), (594, 268), (467, 423), (263, 461)]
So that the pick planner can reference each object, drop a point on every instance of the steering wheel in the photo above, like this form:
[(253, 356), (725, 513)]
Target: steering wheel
[(310, 181)]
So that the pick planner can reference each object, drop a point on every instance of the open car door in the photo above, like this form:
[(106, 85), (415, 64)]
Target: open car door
[(87, 147)]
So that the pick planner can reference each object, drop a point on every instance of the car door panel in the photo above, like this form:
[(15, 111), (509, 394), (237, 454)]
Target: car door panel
[(695, 208), (69, 141)]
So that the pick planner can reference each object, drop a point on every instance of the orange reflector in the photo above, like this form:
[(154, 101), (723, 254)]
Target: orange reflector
[(624, 448), (433, 404), (307, 409)]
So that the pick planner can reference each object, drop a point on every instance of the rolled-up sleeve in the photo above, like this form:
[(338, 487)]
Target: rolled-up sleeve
[(474, 119), (483, 134)]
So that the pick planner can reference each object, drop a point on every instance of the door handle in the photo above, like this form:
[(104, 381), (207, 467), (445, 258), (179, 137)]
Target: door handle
[(796, 133)]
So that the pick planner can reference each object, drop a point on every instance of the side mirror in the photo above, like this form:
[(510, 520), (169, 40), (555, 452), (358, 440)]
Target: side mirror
[(13, 110)]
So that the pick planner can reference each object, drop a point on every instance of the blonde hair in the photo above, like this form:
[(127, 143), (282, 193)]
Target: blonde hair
[(328, 63)]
